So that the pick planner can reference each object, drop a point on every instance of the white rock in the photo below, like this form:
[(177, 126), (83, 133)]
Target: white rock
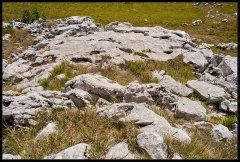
[(10, 156), (154, 144), (75, 152), (142, 115), (221, 132), (226, 105), (195, 58), (97, 84), (210, 92), (176, 87), (190, 110), (79, 97), (119, 151), (176, 156), (6, 37), (49, 129)]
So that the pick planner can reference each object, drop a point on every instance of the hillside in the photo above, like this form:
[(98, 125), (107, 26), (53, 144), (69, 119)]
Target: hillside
[(120, 81)]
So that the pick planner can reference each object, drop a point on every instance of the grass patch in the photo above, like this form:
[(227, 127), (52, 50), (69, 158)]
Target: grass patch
[(69, 70), (7, 87), (140, 54), (74, 126), (204, 146), (176, 68), (127, 50), (227, 121), (72, 70), (19, 41)]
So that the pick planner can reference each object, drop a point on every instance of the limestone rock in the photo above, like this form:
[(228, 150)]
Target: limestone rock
[(10, 156), (190, 110), (119, 151), (98, 85), (75, 152), (49, 129), (154, 145), (169, 83), (221, 132), (211, 93)]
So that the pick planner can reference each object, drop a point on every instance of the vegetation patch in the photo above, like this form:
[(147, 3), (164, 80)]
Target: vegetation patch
[(140, 54), (19, 41), (204, 146), (30, 16), (176, 68), (127, 50), (74, 126)]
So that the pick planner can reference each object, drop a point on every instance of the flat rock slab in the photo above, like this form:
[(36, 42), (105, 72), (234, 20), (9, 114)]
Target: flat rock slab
[(98, 85), (190, 110), (169, 83), (209, 92), (75, 152)]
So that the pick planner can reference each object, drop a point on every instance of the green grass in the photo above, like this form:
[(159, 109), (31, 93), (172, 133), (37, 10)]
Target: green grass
[(204, 146), (176, 68), (140, 54), (74, 126), (127, 50)]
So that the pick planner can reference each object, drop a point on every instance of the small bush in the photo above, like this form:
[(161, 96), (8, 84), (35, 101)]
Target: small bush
[(30, 16)]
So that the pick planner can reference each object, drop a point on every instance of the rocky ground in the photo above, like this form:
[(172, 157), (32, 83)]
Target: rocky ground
[(81, 41)]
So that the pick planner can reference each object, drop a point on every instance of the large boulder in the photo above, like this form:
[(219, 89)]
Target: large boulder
[(175, 87), (228, 106), (119, 151), (98, 85), (210, 92), (154, 145), (75, 152), (190, 110)]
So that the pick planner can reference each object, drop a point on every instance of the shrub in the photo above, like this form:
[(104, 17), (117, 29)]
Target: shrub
[(30, 16)]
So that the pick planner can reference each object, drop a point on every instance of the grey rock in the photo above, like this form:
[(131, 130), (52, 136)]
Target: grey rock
[(154, 145), (79, 97), (197, 22), (211, 93), (142, 115), (169, 83), (226, 105), (119, 151), (6, 37), (10, 156), (40, 45), (190, 110), (196, 58), (228, 65), (75, 152), (227, 46), (49, 129), (97, 84), (176, 156), (221, 132)]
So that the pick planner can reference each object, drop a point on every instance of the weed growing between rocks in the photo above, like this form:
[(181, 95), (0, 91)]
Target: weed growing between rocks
[(204, 146), (19, 41), (176, 68), (74, 126)]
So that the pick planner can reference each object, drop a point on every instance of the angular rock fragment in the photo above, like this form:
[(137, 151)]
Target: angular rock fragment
[(119, 151)]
